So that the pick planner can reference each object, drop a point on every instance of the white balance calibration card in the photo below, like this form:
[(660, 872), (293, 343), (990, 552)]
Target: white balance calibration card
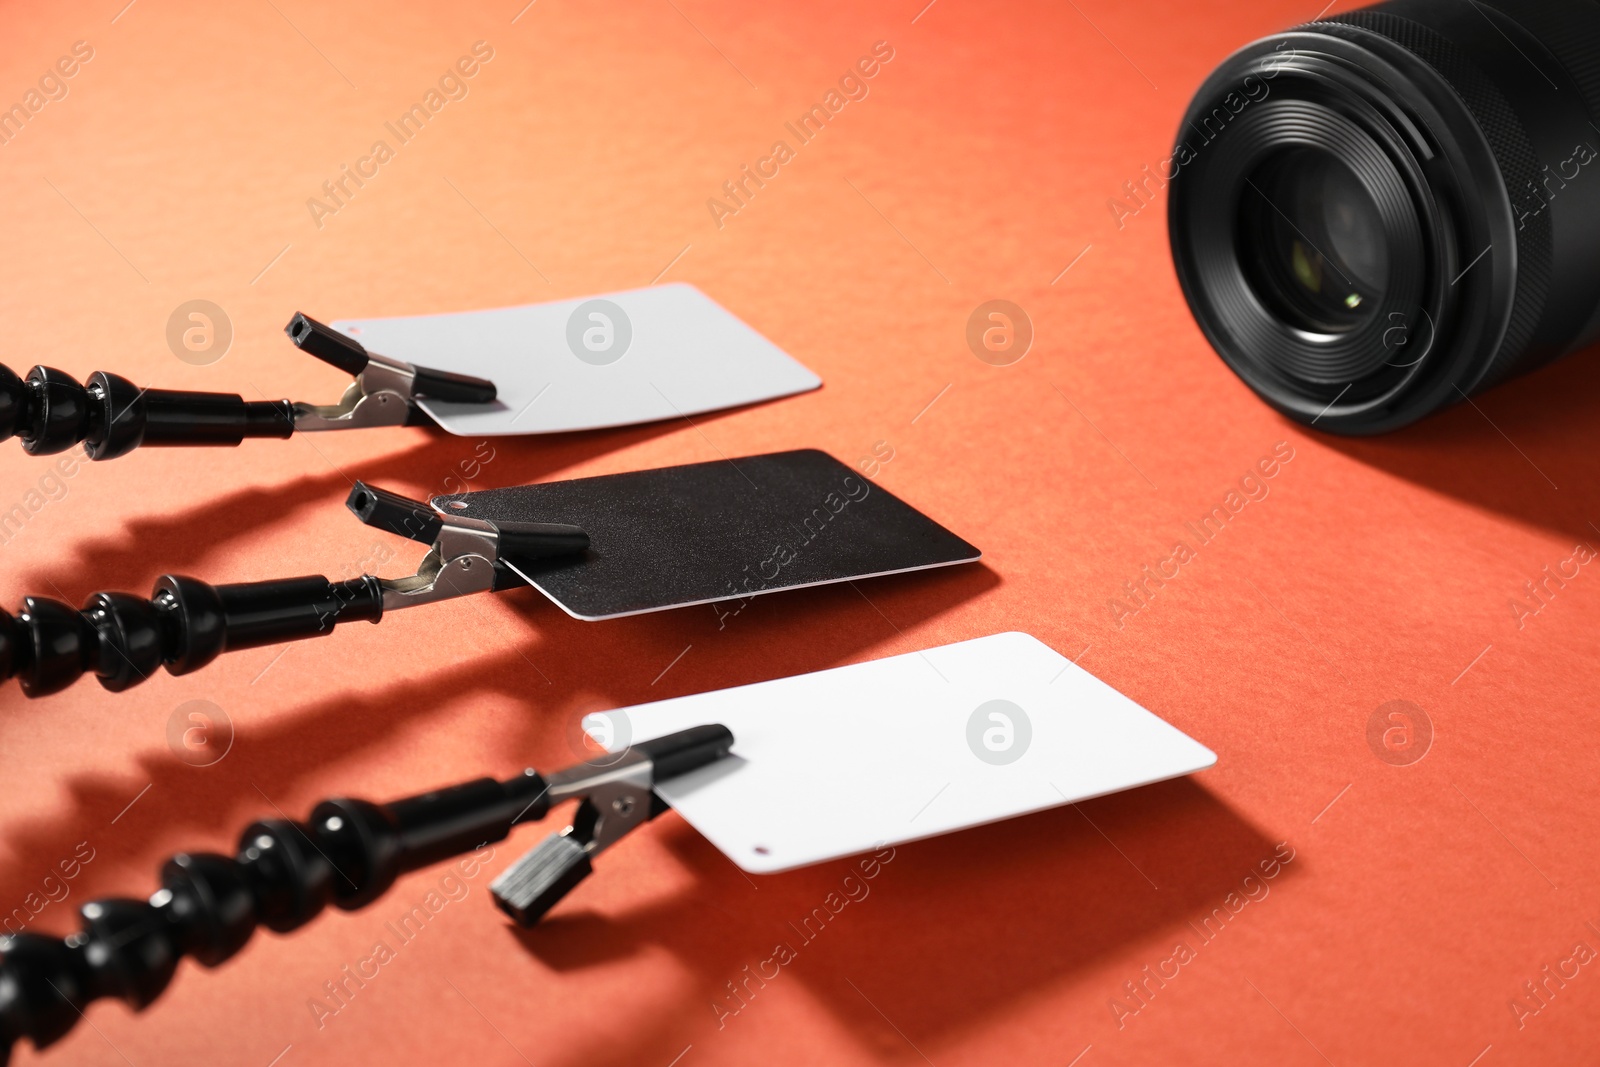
[(849, 759), (586, 364)]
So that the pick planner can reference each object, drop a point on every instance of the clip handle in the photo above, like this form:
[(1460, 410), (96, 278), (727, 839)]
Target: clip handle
[(327, 344), (186, 623), (352, 357), (396, 514), (389, 511), (51, 412)]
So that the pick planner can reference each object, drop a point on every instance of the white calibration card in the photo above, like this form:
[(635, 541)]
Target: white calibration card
[(840, 761), (613, 360)]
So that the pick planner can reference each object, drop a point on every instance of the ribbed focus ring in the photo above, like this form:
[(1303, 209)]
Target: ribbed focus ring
[(1285, 124)]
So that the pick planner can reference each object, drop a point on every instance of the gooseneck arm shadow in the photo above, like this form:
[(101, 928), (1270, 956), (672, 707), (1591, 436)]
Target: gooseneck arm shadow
[(51, 412), (348, 853)]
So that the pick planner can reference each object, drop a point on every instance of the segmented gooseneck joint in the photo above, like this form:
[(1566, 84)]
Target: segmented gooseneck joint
[(51, 412), (122, 639), (347, 854)]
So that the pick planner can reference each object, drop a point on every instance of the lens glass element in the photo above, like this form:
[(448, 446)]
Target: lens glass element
[(1311, 241)]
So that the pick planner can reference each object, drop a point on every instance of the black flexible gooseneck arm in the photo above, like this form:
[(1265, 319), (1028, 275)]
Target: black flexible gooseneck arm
[(51, 411), (186, 623), (348, 853)]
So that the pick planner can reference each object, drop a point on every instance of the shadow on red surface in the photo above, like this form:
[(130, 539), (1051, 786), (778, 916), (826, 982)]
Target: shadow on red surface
[(1528, 449)]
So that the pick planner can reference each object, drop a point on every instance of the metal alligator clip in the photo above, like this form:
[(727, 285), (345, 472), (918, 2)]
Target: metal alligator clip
[(385, 390), (465, 555), (186, 623), (50, 411), (616, 793)]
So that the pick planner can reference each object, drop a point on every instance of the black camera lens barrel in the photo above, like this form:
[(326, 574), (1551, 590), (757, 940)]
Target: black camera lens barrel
[(1473, 129)]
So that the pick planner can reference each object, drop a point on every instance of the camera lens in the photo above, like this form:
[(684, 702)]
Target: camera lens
[(1319, 258), (1376, 215)]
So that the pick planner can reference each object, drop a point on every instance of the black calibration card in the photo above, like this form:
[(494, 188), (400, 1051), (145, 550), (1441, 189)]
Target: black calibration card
[(723, 530)]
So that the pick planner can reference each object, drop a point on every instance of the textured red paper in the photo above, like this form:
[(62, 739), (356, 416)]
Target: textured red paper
[(978, 166)]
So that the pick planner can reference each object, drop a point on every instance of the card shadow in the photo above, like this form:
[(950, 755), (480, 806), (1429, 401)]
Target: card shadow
[(774, 635), (950, 931)]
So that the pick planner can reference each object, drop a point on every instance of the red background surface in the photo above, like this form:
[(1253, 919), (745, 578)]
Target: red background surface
[(1417, 904)]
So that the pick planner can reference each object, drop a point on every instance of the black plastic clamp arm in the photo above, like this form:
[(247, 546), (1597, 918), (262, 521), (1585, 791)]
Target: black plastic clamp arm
[(51, 412), (186, 623), (347, 854), (283, 874)]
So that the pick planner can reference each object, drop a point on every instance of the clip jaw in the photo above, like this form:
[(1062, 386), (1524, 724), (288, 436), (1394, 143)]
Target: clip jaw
[(385, 390), (465, 555), (616, 794)]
